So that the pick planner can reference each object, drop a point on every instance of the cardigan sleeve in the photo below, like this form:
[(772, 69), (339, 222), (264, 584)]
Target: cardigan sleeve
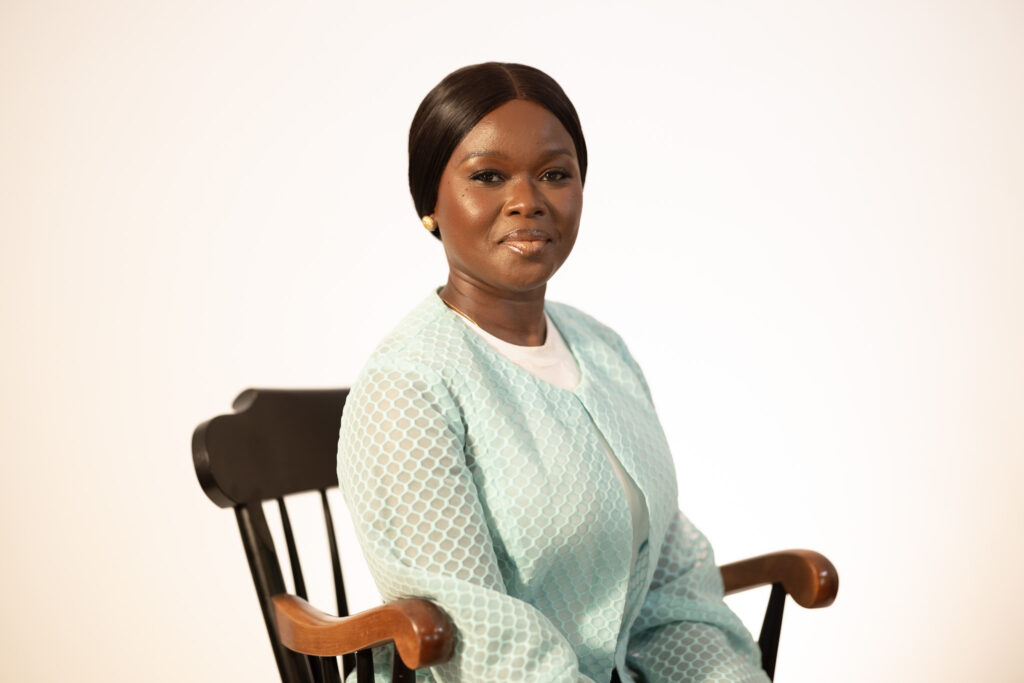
[(684, 631), (416, 511)]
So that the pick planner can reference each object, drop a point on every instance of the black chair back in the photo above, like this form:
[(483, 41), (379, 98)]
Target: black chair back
[(277, 443)]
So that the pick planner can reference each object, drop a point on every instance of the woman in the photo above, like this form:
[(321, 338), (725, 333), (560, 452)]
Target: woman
[(500, 454)]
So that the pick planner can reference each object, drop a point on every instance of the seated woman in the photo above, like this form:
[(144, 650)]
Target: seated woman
[(500, 454)]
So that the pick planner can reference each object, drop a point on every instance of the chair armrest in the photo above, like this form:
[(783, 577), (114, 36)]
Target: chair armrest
[(806, 575), (422, 633)]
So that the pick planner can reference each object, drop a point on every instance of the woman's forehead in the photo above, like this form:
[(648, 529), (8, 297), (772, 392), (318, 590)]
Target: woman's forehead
[(515, 128)]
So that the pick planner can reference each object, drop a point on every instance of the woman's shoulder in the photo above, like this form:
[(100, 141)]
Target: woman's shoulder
[(589, 337), (424, 340), (576, 325)]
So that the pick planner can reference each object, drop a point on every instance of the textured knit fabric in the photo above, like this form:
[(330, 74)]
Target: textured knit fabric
[(554, 363), (480, 487), (551, 361)]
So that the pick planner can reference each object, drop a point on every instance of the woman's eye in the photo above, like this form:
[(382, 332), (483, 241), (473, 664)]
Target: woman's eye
[(486, 177), (554, 175)]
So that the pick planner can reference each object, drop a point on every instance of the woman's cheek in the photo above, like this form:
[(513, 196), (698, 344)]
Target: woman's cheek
[(474, 208)]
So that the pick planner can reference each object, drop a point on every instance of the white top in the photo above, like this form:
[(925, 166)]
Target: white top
[(554, 363)]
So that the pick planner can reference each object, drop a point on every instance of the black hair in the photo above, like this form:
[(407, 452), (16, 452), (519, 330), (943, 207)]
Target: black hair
[(459, 101)]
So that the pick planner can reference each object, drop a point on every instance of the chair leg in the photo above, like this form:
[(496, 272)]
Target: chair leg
[(771, 627)]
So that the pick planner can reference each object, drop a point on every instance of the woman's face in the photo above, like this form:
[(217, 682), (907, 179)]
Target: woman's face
[(509, 202)]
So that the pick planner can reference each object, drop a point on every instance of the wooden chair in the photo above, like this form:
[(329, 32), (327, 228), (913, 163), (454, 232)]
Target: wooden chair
[(283, 442)]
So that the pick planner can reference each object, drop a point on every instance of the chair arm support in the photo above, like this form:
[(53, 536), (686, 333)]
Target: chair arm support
[(422, 633), (806, 575)]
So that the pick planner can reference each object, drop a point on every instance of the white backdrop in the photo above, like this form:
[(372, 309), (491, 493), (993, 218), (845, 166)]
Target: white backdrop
[(805, 218)]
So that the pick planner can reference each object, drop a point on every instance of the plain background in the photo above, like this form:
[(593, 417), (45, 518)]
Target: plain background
[(805, 218)]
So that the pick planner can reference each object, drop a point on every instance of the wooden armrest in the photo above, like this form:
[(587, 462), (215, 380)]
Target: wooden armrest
[(806, 575), (422, 633)]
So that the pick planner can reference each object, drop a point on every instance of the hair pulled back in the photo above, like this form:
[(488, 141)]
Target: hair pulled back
[(459, 101)]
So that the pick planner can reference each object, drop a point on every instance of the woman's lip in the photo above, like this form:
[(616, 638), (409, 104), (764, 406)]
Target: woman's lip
[(527, 235), (526, 242), (526, 247)]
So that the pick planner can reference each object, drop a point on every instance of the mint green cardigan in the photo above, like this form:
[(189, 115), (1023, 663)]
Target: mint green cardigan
[(478, 486)]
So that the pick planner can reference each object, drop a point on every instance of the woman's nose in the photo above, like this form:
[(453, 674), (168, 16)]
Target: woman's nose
[(525, 199)]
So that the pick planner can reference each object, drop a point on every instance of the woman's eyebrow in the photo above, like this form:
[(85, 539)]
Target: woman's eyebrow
[(557, 151), (483, 153), (554, 152)]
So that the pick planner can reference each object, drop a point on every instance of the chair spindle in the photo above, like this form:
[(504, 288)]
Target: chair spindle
[(364, 666), (329, 669), (293, 553), (400, 673), (266, 574), (348, 662)]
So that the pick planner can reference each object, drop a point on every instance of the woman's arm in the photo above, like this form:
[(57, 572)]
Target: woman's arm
[(685, 632), (402, 470)]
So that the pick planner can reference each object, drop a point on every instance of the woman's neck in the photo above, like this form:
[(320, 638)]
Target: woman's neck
[(517, 318)]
